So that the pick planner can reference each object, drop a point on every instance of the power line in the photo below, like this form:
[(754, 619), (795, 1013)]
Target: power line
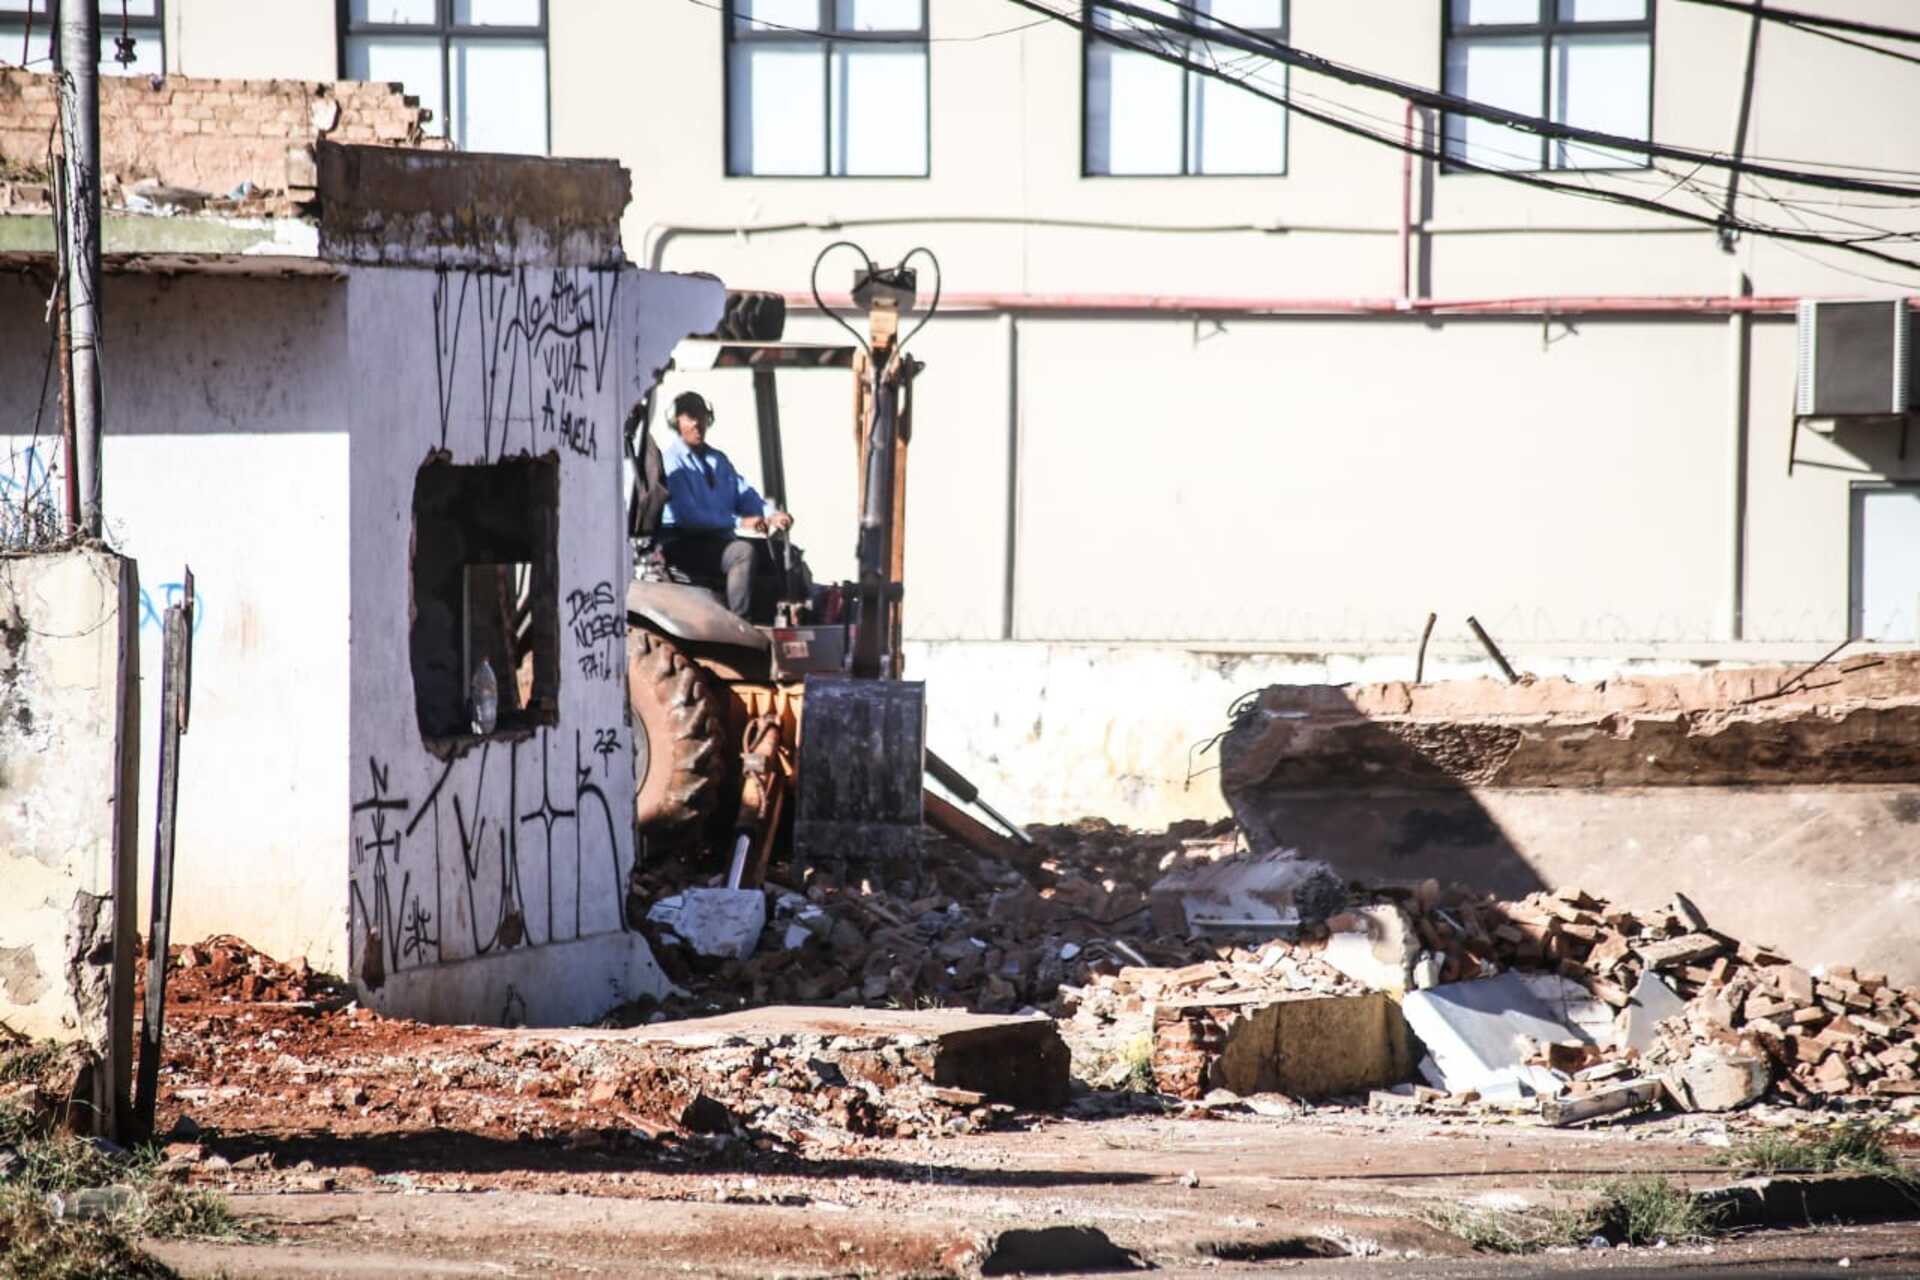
[(1221, 32), (1524, 179), (1800, 18), (1837, 38)]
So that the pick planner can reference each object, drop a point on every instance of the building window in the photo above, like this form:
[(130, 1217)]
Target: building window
[(1145, 115), (1886, 563), (479, 65), (1587, 63), (27, 37), (827, 88), (485, 574)]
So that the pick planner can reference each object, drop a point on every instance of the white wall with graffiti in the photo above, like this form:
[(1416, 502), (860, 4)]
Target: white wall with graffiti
[(268, 431), (488, 872)]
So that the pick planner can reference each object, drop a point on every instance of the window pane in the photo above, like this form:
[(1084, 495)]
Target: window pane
[(1503, 73), (21, 6), (15, 53), (1600, 83), (1133, 112), (1254, 15), (497, 97), (880, 110), (1471, 12), (777, 118), (391, 11), (1127, 22), (413, 61), (496, 13), (877, 15), (1887, 560), (1235, 131), (1603, 10), (134, 9), (14, 50), (775, 15)]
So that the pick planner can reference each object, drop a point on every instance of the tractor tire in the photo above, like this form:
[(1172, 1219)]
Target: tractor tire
[(679, 758), (752, 316)]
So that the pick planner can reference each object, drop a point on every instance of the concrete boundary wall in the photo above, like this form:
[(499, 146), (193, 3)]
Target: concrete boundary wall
[(1784, 801), (69, 770)]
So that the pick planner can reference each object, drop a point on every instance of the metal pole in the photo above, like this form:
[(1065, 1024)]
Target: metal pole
[(1728, 236), (79, 87), (176, 694)]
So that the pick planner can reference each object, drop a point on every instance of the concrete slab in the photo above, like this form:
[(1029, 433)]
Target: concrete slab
[(1277, 892), (1021, 1061), (1475, 1031), (1307, 1047), (1651, 1003)]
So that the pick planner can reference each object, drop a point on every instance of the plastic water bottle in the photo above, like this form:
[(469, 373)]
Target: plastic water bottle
[(486, 698)]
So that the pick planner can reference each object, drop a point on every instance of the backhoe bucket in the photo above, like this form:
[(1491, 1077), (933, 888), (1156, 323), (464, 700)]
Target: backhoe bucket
[(862, 753)]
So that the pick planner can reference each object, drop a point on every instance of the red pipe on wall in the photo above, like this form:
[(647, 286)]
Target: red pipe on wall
[(1201, 304)]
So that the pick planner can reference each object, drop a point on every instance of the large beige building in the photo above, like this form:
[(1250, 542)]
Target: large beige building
[(1220, 393)]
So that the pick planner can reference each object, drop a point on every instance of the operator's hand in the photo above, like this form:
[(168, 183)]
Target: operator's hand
[(754, 524), (778, 522)]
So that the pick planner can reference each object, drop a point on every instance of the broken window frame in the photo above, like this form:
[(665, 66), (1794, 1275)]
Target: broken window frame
[(830, 37), (46, 18), (446, 549), (449, 33), (1191, 83), (1549, 29)]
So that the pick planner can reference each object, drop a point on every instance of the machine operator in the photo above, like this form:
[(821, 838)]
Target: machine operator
[(708, 503)]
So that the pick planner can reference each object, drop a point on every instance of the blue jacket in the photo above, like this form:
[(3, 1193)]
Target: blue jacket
[(703, 489)]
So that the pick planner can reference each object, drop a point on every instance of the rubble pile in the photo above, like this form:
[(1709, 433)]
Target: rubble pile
[(1739, 1018), (979, 933), (226, 969)]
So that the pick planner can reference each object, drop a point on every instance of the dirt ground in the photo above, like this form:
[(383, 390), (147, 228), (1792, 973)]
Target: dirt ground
[(360, 1146), (1333, 1194), (374, 1148)]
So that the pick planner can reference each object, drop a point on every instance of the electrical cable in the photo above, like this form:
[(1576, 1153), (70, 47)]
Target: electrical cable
[(1524, 179), (1222, 32), (1801, 18), (1837, 38)]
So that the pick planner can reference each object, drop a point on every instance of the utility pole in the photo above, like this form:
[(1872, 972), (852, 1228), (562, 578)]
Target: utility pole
[(79, 92)]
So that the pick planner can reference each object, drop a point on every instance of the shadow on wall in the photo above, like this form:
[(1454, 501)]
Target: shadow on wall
[(1305, 768)]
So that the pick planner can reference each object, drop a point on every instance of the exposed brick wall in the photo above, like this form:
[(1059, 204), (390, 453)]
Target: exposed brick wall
[(209, 135)]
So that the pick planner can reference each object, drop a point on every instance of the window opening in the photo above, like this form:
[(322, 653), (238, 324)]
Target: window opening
[(485, 568)]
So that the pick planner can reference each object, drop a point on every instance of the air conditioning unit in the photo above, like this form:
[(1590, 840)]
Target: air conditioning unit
[(1856, 359)]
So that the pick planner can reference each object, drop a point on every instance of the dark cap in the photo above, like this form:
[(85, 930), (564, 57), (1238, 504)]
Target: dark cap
[(693, 405)]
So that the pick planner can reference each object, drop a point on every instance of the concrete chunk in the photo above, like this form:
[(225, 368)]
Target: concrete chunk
[(1276, 892), (723, 923), (1653, 1002), (1717, 1079), (1308, 1047), (1477, 1033)]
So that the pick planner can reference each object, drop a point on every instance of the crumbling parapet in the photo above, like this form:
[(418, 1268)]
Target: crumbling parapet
[(69, 773), (239, 147)]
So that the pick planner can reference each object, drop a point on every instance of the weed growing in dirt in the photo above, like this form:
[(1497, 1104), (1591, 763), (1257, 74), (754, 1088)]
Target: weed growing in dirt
[(28, 1062), (1647, 1208), (35, 1244), (1512, 1230), (1854, 1147)]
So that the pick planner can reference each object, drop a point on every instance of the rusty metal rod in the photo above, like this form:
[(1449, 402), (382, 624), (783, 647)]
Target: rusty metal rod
[(1493, 650), (1420, 662)]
